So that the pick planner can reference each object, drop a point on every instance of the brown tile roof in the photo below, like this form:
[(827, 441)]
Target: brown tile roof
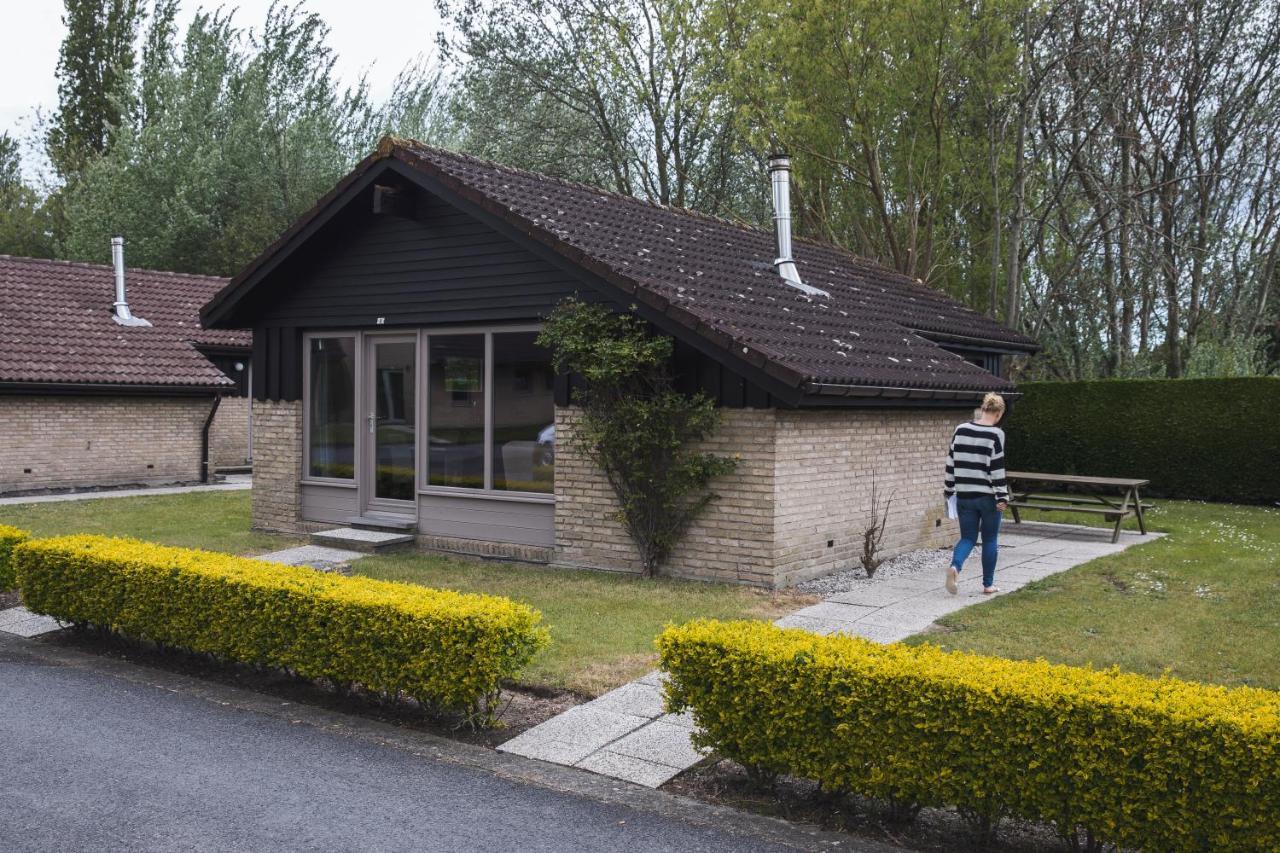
[(56, 327), (721, 273), (716, 278)]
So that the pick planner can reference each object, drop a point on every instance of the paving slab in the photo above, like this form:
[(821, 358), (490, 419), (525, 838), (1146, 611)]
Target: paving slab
[(629, 769), (636, 699), (817, 626), (835, 611), (316, 556), (660, 743), (21, 622), (573, 735)]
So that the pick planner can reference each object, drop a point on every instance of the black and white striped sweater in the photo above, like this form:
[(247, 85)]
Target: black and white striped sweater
[(975, 462)]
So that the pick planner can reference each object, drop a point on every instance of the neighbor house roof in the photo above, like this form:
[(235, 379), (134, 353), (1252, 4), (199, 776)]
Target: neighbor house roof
[(56, 328), (878, 330)]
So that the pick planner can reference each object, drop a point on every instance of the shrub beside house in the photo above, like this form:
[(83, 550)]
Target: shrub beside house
[(398, 381)]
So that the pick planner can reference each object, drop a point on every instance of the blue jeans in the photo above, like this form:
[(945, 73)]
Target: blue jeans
[(978, 514)]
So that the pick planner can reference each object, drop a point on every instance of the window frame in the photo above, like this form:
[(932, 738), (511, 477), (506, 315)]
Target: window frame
[(357, 339), (424, 395)]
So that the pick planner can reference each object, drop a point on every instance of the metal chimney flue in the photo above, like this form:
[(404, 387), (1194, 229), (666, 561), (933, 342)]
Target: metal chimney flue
[(122, 314), (780, 177)]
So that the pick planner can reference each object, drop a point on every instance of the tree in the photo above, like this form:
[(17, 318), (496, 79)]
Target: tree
[(96, 57), (230, 136), (612, 92), (893, 112), (1156, 222), (25, 229), (635, 426)]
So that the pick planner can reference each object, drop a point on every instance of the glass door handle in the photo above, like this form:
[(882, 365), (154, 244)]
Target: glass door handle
[(373, 419)]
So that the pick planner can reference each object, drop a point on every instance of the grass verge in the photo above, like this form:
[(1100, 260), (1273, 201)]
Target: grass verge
[(1200, 604), (602, 625), (215, 521)]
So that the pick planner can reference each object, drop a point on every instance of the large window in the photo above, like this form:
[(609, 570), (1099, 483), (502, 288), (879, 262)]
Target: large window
[(456, 411), (523, 414), (332, 419), (486, 404)]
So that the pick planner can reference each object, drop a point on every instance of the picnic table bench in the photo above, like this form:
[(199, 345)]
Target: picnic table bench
[(1097, 497)]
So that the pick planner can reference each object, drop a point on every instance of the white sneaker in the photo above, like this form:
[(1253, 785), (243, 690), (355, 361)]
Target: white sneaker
[(952, 574)]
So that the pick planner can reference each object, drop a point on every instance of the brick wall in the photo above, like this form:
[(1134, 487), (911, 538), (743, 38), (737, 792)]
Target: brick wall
[(65, 442), (731, 541), (277, 464), (803, 481), (229, 434), (827, 463)]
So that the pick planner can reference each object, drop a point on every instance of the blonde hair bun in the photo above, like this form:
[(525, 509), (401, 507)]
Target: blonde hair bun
[(993, 402)]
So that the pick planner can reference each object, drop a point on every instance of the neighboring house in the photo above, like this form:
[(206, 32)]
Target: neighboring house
[(110, 381), (397, 381)]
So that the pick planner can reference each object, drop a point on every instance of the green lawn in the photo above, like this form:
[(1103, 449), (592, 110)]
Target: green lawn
[(1203, 603), (217, 521), (602, 625)]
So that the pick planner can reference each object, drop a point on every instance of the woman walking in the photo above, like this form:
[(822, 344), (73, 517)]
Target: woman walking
[(975, 476)]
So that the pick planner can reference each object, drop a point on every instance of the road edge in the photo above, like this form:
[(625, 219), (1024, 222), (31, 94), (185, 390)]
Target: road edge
[(513, 768)]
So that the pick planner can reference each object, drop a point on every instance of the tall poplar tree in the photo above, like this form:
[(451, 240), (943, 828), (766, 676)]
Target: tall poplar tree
[(96, 58)]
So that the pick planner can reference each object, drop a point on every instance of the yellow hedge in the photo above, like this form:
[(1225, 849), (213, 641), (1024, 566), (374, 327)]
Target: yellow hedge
[(1157, 764), (9, 537), (447, 649)]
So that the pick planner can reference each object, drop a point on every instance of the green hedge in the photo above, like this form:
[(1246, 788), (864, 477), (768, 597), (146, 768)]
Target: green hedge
[(1157, 764), (9, 537), (1204, 439), (448, 650)]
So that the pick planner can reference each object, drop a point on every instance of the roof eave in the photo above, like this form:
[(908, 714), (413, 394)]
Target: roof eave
[(141, 389), (886, 392)]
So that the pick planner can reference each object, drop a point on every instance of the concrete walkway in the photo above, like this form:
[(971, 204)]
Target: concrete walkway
[(233, 483), (626, 733)]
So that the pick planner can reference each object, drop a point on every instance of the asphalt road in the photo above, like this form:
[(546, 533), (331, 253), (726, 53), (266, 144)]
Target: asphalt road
[(89, 761)]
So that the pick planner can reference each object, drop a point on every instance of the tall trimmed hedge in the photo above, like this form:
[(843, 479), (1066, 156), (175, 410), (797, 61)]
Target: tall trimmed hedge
[(449, 650), (1149, 763), (1204, 439)]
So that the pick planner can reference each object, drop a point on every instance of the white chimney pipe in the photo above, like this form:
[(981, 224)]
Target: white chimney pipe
[(780, 176), (122, 314)]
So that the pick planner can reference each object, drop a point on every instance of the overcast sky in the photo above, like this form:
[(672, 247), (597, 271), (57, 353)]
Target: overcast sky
[(362, 39)]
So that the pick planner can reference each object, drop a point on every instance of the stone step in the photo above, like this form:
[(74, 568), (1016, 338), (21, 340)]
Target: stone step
[(393, 523), (357, 539)]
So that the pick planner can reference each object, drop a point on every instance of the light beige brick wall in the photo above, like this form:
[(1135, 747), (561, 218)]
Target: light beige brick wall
[(277, 464), (731, 541), (804, 480), (229, 433), (827, 463), (60, 442)]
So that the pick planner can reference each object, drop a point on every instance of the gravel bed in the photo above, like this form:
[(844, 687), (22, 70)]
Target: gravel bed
[(926, 560)]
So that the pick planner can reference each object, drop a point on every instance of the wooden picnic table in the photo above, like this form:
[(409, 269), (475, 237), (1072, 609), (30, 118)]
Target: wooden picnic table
[(1098, 497)]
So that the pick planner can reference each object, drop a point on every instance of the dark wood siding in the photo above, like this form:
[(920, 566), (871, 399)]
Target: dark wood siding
[(437, 267)]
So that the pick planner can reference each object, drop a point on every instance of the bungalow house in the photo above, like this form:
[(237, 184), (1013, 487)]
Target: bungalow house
[(107, 378), (399, 388)]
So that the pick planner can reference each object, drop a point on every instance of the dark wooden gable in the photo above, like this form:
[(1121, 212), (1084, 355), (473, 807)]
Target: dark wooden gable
[(399, 257), (435, 266)]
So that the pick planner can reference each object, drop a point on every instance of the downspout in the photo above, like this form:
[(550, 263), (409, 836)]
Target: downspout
[(204, 439)]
